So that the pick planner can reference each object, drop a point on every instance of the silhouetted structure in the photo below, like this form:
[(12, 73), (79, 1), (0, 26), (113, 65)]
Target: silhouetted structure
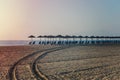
[(40, 39), (31, 42), (70, 40)]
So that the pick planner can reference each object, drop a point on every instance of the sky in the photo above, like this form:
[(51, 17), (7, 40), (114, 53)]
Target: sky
[(21, 18)]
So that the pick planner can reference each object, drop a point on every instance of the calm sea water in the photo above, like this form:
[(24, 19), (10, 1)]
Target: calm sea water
[(13, 42)]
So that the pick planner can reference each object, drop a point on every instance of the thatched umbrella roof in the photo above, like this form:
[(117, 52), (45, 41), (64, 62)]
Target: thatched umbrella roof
[(59, 36), (31, 36), (40, 36), (80, 36)]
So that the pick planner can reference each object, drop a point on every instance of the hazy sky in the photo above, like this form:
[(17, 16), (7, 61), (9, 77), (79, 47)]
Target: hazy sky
[(21, 18)]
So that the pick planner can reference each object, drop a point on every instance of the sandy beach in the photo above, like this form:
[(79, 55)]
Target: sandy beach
[(74, 63), (82, 63), (59, 39), (9, 55)]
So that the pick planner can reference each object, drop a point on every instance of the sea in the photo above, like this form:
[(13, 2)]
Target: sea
[(13, 42)]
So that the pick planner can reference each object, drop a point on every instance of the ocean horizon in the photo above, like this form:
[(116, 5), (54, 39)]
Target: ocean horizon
[(13, 42)]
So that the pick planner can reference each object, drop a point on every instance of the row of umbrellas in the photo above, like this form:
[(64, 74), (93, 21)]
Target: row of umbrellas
[(68, 36), (107, 39)]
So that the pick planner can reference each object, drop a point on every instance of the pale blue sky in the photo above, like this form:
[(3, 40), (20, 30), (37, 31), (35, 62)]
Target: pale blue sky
[(20, 18)]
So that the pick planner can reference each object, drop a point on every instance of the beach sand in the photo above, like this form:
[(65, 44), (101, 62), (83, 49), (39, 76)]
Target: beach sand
[(9, 55), (82, 63), (75, 63)]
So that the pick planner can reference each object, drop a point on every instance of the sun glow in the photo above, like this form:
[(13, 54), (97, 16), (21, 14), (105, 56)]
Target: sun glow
[(10, 20), (79, 17)]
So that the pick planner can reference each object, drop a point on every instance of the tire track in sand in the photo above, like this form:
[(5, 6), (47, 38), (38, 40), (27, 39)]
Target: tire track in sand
[(38, 75)]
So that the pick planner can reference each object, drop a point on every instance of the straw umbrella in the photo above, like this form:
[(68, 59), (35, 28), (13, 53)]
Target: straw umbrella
[(102, 39), (40, 38), (92, 42), (73, 38), (97, 39), (45, 37), (31, 36), (86, 39), (51, 37), (80, 39), (67, 37), (59, 36)]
